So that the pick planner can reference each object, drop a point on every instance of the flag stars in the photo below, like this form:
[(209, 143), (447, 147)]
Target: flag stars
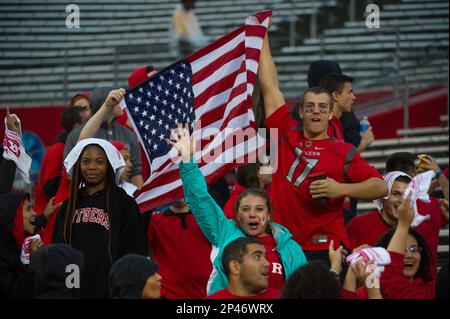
[(161, 137), (152, 117), (159, 88), (153, 132), (157, 98), (146, 127), (130, 96), (178, 86), (170, 81), (144, 113), (189, 94), (163, 112), (136, 109), (172, 71), (175, 96), (181, 75), (141, 90), (139, 100), (141, 123), (147, 103), (166, 92), (166, 127), (155, 147), (149, 93), (160, 122), (151, 84), (164, 102), (172, 106), (183, 65), (188, 79), (181, 100), (161, 77), (184, 90)]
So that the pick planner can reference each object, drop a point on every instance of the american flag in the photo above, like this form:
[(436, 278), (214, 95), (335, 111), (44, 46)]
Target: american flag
[(211, 90)]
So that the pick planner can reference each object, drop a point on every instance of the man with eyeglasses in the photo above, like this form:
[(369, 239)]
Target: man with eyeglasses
[(314, 172)]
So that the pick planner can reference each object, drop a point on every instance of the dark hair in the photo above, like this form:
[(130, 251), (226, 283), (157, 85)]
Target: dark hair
[(403, 179), (312, 281), (334, 82), (318, 69), (69, 117), (424, 271), (236, 250), (253, 192), (401, 161), (317, 90), (76, 182)]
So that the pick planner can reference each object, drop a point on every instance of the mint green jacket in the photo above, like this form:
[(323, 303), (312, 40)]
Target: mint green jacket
[(220, 231)]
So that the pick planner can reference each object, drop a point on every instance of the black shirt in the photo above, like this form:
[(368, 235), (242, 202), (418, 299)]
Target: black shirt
[(103, 234)]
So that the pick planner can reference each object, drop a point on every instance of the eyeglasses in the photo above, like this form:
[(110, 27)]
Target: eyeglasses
[(413, 249), (323, 109)]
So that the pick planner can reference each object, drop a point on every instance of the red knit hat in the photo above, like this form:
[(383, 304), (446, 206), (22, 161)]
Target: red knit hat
[(139, 75)]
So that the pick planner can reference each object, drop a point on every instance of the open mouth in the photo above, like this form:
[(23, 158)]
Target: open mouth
[(253, 225), (316, 120), (408, 265), (265, 273)]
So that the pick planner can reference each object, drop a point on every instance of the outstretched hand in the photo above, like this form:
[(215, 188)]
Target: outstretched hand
[(183, 142), (50, 208)]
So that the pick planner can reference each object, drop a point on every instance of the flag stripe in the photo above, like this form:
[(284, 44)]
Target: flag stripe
[(221, 80)]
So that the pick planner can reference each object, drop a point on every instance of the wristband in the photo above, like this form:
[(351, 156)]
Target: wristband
[(438, 174)]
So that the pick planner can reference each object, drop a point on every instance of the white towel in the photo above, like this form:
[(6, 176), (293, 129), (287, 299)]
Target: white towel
[(25, 254), (113, 155), (378, 255), (14, 150), (389, 178), (419, 187)]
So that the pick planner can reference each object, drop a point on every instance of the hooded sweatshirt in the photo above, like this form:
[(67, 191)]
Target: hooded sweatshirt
[(102, 236), (15, 278), (7, 174), (49, 266), (113, 132)]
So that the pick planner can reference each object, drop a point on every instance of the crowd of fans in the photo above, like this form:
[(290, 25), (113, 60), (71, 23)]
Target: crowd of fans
[(291, 234)]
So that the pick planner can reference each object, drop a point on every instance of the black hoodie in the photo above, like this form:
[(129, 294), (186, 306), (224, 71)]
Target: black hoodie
[(15, 279), (102, 239), (7, 174), (52, 266)]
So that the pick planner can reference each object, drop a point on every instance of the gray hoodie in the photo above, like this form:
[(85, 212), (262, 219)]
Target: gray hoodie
[(113, 132)]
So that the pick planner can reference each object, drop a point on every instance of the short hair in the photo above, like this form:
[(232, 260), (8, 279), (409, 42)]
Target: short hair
[(312, 281), (253, 192), (247, 175), (317, 91), (425, 254), (236, 250), (334, 82), (401, 161), (69, 117), (403, 179)]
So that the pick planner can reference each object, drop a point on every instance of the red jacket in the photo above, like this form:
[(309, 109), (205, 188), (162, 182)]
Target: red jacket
[(52, 166)]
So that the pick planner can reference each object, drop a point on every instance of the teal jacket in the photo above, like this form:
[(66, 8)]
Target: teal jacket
[(220, 231)]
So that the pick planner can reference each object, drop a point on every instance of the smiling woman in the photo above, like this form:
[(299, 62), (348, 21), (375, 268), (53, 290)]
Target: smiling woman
[(99, 218), (253, 212)]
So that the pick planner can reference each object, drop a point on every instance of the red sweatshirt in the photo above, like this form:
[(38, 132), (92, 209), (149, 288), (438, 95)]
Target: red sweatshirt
[(52, 166), (396, 286), (178, 245), (226, 294)]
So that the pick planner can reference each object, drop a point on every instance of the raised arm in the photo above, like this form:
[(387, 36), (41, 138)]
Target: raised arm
[(268, 79), (93, 125), (207, 213), (405, 216)]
